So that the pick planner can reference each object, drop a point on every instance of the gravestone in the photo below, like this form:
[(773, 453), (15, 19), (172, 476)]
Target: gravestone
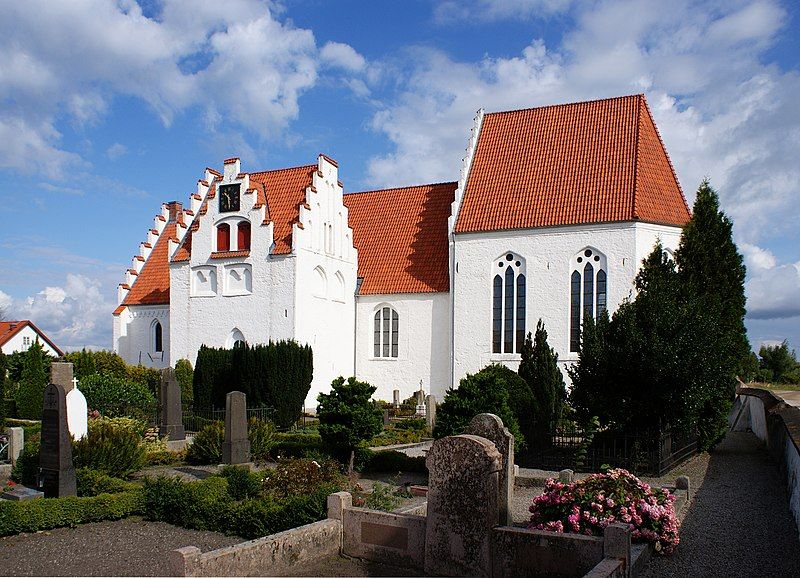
[(386, 417), (57, 474), (490, 426), (420, 395), (16, 441), (77, 414), (396, 395), (430, 411), (61, 374), (236, 447), (462, 505), (171, 411), (21, 494)]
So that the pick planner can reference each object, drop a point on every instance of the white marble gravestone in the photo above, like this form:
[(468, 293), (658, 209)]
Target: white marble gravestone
[(77, 414)]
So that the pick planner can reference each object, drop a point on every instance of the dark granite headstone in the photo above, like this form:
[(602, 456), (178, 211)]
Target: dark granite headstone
[(57, 473), (236, 447), (171, 411)]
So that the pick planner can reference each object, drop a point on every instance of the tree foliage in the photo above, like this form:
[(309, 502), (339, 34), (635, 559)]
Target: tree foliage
[(184, 374), (116, 396), (778, 364), (494, 389), (539, 368), (347, 416), (33, 380)]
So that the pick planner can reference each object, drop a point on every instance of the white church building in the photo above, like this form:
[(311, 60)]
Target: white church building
[(553, 213)]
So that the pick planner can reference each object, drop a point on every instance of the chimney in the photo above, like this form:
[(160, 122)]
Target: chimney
[(175, 211)]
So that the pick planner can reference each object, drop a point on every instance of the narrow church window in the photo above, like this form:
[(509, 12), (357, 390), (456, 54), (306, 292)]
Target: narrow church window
[(386, 332), (224, 237), (243, 236), (157, 338), (588, 287), (508, 305)]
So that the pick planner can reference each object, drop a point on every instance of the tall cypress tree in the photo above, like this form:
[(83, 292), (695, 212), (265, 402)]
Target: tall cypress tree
[(712, 274), (30, 395), (539, 369)]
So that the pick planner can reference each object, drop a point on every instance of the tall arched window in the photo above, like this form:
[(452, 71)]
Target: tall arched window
[(235, 339), (588, 286), (243, 236), (223, 237), (158, 338), (508, 304), (386, 332)]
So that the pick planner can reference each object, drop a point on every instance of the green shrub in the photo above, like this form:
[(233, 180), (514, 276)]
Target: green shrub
[(33, 379), (393, 461), (26, 469), (262, 435), (412, 424), (185, 374), (199, 505), (297, 445), (207, 445), (45, 514), (116, 396), (382, 498), (93, 483), (242, 483), (164, 457), (113, 447), (300, 477), (149, 377)]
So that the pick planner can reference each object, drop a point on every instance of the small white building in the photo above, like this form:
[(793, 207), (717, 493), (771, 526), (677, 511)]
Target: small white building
[(552, 215), (20, 335)]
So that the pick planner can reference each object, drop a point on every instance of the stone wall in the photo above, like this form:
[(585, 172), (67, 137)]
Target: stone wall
[(397, 539)]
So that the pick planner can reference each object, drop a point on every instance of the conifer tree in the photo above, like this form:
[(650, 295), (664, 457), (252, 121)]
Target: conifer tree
[(712, 274), (539, 369), (30, 395)]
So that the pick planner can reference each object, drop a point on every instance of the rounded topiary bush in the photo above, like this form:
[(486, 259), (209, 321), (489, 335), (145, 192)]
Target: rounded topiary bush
[(587, 506), (207, 445)]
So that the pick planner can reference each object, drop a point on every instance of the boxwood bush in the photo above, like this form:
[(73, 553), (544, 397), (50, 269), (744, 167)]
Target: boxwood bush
[(116, 396)]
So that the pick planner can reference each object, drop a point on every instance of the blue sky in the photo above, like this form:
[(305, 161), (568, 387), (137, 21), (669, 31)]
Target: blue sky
[(110, 108)]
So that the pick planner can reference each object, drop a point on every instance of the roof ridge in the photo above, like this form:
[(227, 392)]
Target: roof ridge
[(636, 147), (566, 104), (251, 173), (402, 187)]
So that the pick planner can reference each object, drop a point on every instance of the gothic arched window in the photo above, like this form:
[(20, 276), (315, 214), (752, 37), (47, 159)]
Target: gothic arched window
[(588, 288), (158, 338), (508, 304), (386, 332), (243, 236), (223, 237)]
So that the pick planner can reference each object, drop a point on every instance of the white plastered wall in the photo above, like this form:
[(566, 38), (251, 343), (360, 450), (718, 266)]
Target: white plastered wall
[(134, 335), (19, 343), (547, 253), (423, 344), (325, 269)]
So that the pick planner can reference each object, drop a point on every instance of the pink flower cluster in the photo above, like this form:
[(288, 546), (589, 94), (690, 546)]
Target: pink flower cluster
[(587, 506)]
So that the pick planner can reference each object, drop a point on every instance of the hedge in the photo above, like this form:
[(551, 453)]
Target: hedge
[(297, 445), (207, 505), (48, 513), (392, 461)]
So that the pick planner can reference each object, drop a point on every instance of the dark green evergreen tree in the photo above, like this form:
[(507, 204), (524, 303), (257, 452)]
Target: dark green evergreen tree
[(33, 380), (3, 378), (539, 369), (347, 417), (712, 274)]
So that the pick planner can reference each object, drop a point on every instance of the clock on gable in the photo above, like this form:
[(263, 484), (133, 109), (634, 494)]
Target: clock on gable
[(228, 198)]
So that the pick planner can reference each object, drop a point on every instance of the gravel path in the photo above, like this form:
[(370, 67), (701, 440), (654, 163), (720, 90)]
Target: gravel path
[(738, 523), (130, 547)]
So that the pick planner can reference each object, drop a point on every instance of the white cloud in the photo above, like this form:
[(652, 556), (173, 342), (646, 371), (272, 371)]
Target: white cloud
[(343, 56), (481, 10), (774, 292), (116, 151)]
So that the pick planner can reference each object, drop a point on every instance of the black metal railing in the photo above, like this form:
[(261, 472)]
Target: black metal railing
[(195, 419)]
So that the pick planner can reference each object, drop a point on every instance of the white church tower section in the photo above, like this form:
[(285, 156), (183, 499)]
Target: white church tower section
[(325, 272)]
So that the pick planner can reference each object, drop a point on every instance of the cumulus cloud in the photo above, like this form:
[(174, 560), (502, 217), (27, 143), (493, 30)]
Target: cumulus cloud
[(116, 151), (66, 60), (773, 290)]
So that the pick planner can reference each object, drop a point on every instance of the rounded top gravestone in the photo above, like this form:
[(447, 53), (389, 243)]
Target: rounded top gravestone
[(77, 414)]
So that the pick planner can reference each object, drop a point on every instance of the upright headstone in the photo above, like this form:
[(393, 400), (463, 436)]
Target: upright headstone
[(430, 411), (55, 455), (236, 447), (171, 411), (462, 506), (386, 417), (16, 441), (420, 395), (61, 374), (490, 426), (77, 414), (396, 395)]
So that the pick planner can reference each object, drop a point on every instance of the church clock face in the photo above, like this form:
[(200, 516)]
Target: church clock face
[(228, 198)]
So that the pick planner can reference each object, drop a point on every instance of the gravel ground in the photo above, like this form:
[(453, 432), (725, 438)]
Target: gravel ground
[(738, 523), (130, 547)]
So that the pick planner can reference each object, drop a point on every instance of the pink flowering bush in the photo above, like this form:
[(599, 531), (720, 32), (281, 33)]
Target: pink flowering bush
[(587, 506)]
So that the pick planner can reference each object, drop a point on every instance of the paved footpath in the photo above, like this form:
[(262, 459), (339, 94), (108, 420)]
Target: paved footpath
[(738, 523)]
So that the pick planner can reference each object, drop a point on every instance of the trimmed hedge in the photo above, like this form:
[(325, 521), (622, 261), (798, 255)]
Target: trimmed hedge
[(48, 513), (297, 445), (392, 461), (207, 505)]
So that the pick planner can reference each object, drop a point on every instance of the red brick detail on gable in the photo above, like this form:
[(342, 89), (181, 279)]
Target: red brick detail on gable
[(152, 284), (401, 237), (587, 162), (282, 191), (9, 329)]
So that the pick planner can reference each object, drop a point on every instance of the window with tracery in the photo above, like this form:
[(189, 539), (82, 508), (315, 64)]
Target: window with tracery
[(386, 332), (588, 292), (508, 304)]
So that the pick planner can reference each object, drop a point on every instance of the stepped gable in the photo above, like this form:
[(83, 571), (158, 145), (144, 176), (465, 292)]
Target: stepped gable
[(151, 286), (401, 237), (587, 162)]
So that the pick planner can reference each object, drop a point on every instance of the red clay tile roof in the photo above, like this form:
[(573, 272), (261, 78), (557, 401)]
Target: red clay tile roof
[(283, 191), (401, 237), (151, 286), (9, 329), (587, 162)]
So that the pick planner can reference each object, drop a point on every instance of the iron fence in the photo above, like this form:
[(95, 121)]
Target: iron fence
[(587, 450), (195, 419)]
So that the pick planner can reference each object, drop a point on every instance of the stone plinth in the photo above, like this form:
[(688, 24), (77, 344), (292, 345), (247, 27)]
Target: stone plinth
[(171, 410), (396, 397), (490, 426), (462, 505), (236, 447), (430, 412), (16, 441), (55, 455), (61, 374)]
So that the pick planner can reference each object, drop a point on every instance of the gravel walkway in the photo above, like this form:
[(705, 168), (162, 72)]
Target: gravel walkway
[(738, 523), (130, 547)]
